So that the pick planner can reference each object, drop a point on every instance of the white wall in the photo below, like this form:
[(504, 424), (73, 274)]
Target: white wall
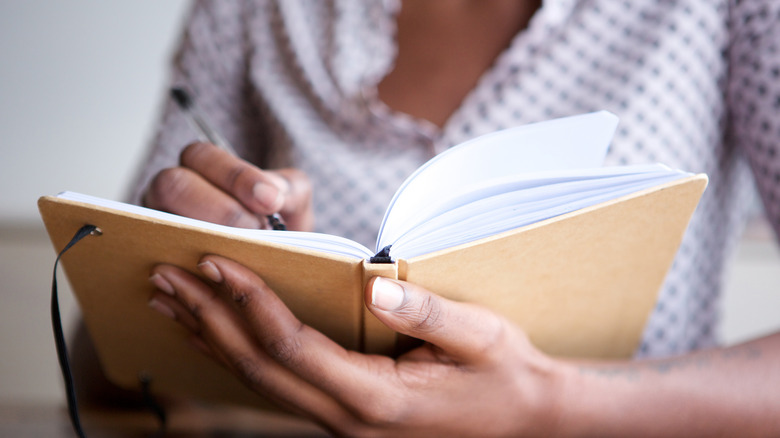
[(751, 299), (80, 84)]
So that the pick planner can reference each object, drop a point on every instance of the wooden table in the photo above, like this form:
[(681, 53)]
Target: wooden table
[(186, 421)]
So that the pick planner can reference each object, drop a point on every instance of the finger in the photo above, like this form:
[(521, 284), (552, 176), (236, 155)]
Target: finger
[(167, 306), (297, 211), (226, 338), (184, 192), (308, 353), (201, 345), (465, 332), (259, 191)]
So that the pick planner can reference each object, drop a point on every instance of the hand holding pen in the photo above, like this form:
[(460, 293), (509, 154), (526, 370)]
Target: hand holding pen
[(213, 184)]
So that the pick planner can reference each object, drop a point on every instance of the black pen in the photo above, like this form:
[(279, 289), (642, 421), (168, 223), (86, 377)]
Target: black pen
[(198, 121)]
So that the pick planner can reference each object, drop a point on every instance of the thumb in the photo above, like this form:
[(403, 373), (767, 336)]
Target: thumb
[(464, 331)]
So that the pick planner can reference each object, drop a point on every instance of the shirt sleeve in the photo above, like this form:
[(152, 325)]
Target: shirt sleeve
[(754, 95), (212, 62)]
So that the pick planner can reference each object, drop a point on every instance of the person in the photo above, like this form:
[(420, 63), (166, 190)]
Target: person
[(332, 104)]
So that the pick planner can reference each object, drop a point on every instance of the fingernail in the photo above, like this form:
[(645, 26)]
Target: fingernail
[(209, 269), (247, 221), (268, 196), (386, 294), (161, 308), (161, 283)]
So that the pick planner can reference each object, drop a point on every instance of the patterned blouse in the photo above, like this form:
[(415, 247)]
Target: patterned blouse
[(696, 85)]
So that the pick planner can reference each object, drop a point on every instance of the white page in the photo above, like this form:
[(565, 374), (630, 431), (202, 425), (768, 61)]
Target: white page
[(520, 199), (547, 182), (566, 143), (316, 241), (497, 215)]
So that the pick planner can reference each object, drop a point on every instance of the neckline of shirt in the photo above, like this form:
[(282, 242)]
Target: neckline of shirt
[(550, 16)]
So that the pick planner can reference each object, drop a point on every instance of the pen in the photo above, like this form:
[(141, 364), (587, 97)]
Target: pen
[(198, 121)]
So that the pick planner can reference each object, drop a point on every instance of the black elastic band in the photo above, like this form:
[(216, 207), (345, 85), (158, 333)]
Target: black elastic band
[(62, 351), (59, 337), (382, 256), (153, 406)]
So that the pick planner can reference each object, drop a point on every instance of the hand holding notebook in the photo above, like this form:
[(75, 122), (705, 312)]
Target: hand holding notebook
[(473, 365)]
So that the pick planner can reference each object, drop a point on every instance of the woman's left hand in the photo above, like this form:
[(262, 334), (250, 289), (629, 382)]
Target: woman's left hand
[(476, 374)]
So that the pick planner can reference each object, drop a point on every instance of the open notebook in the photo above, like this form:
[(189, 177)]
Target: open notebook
[(481, 188), (523, 221)]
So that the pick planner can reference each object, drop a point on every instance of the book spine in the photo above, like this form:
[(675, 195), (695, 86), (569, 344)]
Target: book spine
[(376, 337)]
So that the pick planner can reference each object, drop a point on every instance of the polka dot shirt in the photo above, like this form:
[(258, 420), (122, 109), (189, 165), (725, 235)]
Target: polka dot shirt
[(696, 85)]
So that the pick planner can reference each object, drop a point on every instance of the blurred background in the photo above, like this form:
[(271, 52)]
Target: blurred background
[(81, 85)]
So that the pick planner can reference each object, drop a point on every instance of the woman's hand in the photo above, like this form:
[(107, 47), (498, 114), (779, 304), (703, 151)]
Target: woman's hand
[(477, 374), (213, 185)]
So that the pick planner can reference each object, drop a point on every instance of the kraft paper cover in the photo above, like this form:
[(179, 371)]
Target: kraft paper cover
[(109, 276), (581, 284)]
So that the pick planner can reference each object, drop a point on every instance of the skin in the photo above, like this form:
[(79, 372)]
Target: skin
[(438, 62), (476, 374)]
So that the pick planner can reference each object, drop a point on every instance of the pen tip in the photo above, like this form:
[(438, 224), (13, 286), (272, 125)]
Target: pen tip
[(181, 97)]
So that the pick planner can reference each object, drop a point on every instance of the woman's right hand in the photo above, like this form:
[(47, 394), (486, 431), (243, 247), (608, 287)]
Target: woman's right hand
[(213, 185)]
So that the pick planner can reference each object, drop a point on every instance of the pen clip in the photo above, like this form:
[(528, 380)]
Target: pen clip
[(276, 222), (197, 120)]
